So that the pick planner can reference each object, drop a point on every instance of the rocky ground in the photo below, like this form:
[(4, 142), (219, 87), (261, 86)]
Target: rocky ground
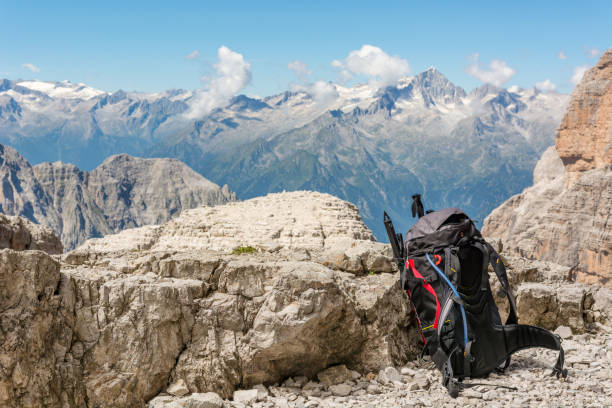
[(417, 384), (201, 310)]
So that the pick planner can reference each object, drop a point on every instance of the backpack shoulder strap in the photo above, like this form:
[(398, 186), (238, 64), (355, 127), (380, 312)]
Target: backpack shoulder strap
[(522, 336), (502, 275)]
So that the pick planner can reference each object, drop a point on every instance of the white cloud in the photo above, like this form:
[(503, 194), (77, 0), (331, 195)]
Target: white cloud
[(31, 67), (300, 69), (324, 92), (546, 86), (232, 74), (499, 72), (591, 52), (578, 73), (562, 55), (514, 89), (321, 91), (343, 73), (192, 55), (382, 68)]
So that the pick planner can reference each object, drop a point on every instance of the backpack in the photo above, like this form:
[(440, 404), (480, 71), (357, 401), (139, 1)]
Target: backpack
[(444, 271)]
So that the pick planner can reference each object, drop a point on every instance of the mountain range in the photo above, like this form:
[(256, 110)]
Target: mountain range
[(369, 145), (123, 192)]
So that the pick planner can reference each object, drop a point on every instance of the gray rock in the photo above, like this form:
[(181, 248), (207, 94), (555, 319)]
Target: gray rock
[(489, 395), (246, 396), (422, 382), (165, 401), (300, 381), (564, 332), (340, 390), (311, 385), (178, 388), (407, 371), (389, 375), (202, 400), (262, 392), (373, 389), (334, 375)]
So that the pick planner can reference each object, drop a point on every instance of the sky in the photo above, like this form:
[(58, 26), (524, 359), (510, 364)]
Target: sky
[(261, 48)]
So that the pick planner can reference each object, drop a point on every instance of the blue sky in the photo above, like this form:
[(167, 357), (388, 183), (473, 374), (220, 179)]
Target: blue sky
[(143, 45)]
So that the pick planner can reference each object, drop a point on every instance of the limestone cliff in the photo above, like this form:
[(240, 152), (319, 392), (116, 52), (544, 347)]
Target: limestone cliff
[(21, 193), (123, 192), (565, 216), (584, 140)]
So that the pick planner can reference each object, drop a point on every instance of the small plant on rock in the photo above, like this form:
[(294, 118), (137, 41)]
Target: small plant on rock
[(244, 250)]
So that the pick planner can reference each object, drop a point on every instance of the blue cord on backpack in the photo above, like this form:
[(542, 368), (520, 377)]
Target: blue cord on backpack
[(443, 276)]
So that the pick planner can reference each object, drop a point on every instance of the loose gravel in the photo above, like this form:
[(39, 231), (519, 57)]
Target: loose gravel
[(588, 358)]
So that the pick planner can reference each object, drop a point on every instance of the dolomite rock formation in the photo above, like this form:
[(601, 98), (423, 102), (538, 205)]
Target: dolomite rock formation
[(565, 216), (123, 192), (21, 194), (176, 306), (36, 369), (19, 233), (584, 140)]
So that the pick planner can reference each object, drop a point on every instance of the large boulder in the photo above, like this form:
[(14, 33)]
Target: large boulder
[(221, 298), (546, 296)]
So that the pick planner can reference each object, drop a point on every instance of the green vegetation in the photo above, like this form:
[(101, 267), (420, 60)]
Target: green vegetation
[(244, 250)]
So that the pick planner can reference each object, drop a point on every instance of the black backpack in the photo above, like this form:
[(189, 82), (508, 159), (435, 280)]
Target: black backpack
[(444, 270)]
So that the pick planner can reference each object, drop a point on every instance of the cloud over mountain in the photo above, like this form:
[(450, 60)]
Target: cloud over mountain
[(233, 73), (546, 85), (498, 73), (300, 69), (374, 63)]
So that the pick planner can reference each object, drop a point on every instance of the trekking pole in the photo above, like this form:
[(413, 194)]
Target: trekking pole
[(396, 240)]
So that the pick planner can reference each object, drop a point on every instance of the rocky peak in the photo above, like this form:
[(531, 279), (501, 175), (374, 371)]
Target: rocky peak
[(486, 89), (431, 85), (242, 103), (21, 193), (584, 140)]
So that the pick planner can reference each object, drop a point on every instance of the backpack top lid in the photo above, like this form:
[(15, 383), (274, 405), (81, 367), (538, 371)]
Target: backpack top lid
[(431, 222), (439, 229)]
